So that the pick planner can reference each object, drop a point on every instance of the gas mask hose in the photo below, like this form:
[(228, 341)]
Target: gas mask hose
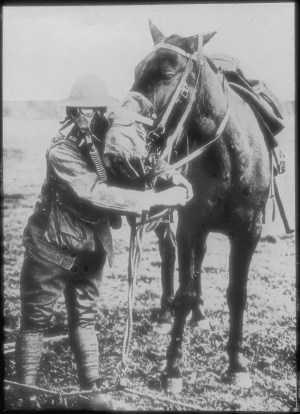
[(96, 158)]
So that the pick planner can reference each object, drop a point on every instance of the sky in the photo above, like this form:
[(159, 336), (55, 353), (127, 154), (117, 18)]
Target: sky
[(45, 48)]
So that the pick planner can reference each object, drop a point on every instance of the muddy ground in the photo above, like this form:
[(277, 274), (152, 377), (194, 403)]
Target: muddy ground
[(270, 323)]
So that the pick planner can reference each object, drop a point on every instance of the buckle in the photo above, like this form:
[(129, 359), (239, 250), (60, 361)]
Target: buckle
[(156, 134)]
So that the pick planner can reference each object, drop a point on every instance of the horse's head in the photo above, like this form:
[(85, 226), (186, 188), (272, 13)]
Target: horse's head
[(158, 75), (169, 71)]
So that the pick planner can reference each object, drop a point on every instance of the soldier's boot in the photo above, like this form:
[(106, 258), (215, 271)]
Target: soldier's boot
[(84, 344), (28, 351)]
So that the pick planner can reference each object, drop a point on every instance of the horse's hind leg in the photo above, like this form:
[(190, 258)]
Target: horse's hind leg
[(167, 249), (241, 252), (198, 314)]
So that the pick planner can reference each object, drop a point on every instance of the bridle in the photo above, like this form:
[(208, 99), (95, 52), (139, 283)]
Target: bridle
[(180, 95)]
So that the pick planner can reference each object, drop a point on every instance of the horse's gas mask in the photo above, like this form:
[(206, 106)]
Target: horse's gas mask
[(125, 149)]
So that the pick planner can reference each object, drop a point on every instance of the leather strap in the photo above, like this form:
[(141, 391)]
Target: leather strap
[(162, 124), (176, 49), (180, 126)]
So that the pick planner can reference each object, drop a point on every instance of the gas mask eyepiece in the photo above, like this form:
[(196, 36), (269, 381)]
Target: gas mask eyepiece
[(84, 118), (75, 113)]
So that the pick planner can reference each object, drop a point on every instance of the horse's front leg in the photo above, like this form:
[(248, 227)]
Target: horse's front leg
[(241, 252), (184, 301), (198, 315), (167, 249)]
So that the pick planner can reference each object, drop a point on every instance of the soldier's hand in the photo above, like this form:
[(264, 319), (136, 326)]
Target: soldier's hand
[(172, 197), (179, 180)]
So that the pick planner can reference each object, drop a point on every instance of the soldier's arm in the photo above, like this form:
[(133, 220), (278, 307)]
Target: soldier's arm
[(74, 175)]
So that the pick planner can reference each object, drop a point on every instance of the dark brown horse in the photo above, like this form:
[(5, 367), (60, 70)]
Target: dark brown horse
[(230, 179)]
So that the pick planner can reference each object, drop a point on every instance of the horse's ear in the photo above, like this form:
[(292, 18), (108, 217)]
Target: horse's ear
[(207, 37), (193, 40), (155, 33)]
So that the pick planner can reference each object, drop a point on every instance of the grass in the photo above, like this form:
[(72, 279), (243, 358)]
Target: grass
[(270, 324)]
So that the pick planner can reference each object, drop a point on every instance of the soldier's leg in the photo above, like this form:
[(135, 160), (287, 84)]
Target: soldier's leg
[(40, 286), (81, 295)]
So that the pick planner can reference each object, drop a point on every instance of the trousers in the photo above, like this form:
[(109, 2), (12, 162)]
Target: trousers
[(42, 282)]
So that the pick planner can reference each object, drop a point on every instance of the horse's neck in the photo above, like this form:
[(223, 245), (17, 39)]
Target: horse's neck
[(212, 101)]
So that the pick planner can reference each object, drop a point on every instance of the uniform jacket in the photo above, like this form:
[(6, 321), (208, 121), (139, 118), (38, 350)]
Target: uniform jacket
[(70, 216)]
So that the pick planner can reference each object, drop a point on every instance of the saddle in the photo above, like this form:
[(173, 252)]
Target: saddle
[(257, 93)]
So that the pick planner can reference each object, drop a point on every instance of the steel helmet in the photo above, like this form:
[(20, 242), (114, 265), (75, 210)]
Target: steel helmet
[(88, 91)]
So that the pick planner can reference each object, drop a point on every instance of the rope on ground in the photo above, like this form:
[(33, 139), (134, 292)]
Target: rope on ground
[(163, 399), (31, 387), (54, 392), (62, 394)]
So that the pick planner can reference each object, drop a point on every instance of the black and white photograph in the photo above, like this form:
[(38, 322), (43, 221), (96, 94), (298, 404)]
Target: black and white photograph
[(149, 207)]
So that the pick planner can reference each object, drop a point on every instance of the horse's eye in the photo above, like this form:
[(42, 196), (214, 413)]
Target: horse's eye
[(168, 75)]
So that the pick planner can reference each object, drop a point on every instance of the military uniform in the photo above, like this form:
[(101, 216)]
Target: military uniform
[(67, 239)]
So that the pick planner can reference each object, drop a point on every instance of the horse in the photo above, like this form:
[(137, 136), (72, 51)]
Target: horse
[(221, 142)]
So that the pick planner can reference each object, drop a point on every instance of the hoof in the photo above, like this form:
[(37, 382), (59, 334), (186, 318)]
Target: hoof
[(172, 385), (242, 380), (201, 324), (162, 328), (238, 379), (161, 316), (123, 383)]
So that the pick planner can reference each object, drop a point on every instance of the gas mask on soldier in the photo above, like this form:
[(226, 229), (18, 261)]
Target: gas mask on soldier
[(86, 105), (90, 121)]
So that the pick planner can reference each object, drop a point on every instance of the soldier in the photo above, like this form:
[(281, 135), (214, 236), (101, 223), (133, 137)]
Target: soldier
[(68, 237)]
